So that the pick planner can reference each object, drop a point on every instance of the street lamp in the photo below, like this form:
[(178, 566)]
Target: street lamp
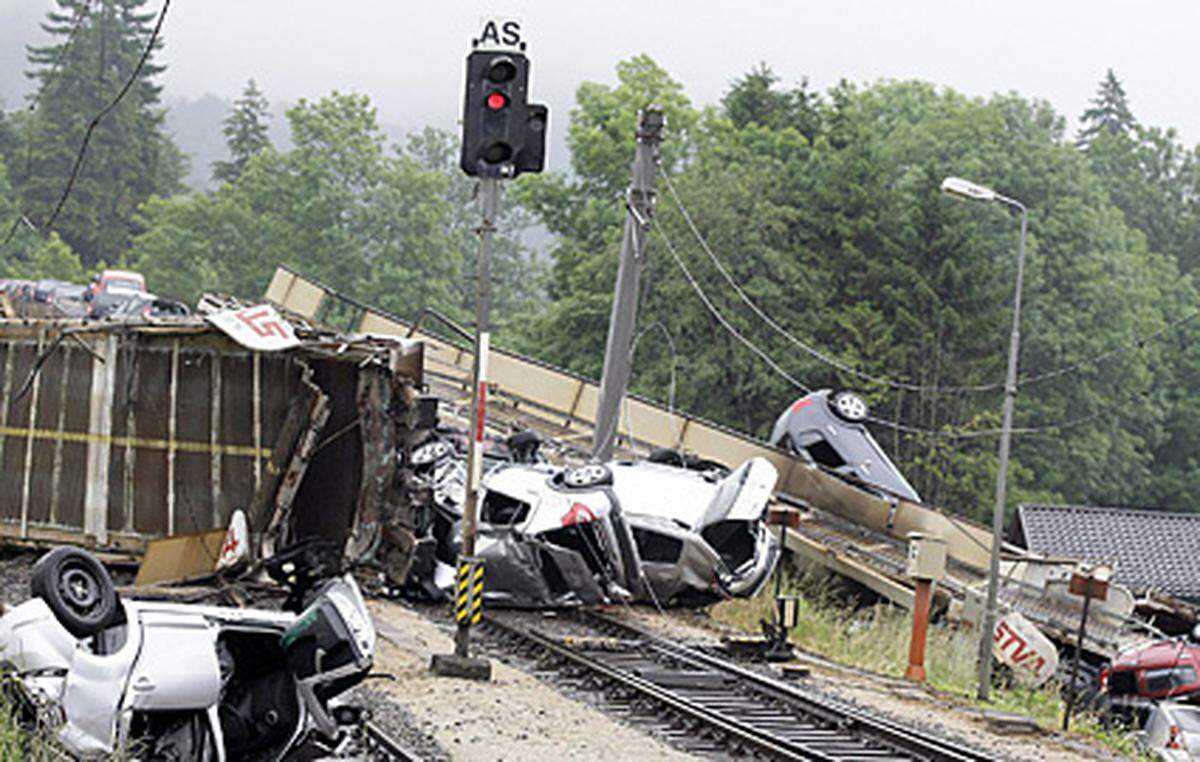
[(965, 189)]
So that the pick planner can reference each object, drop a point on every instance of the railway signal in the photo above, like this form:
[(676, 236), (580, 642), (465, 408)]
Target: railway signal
[(503, 136)]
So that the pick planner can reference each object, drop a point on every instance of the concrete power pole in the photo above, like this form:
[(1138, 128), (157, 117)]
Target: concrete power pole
[(639, 204)]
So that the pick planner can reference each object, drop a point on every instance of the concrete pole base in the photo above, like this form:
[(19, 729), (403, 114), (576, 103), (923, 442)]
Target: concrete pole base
[(465, 667)]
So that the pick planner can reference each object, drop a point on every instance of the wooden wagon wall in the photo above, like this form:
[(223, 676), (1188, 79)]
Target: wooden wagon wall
[(124, 436)]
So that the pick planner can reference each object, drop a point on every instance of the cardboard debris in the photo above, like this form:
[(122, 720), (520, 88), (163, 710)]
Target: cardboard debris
[(181, 558)]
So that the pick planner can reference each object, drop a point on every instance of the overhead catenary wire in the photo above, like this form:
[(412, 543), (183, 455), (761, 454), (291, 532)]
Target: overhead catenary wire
[(716, 313), (1137, 342), (80, 14), (906, 428), (95, 122), (803, 345)]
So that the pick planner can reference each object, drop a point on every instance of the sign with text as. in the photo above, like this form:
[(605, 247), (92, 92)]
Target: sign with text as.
[(498, 33)]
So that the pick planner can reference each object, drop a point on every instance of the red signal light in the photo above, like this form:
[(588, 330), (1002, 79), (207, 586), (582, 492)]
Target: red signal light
[(497, 101)]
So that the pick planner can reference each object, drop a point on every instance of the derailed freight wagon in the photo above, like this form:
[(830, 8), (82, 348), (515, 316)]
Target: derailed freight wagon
[(114, 433)]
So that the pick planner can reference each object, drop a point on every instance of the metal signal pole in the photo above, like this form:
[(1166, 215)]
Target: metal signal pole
[(489, 202), (639, 203)]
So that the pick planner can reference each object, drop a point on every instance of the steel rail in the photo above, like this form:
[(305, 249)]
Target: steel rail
[(383, 747), (763, 742), (891, 733)]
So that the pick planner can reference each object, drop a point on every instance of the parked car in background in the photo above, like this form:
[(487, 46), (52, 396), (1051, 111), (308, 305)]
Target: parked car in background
[(148, 306), (19, 290), (102, 306), (43, 290), (830, 430), (117, 281), (1172, 732), (119, 285), (68, 300)]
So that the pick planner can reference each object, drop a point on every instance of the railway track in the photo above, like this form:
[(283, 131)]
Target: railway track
[(710, 706), (383, 748)]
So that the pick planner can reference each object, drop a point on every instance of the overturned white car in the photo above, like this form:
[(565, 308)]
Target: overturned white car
[(153, 680), (646, 531)]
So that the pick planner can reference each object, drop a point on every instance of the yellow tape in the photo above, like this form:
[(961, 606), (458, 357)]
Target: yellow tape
[(84, 437)]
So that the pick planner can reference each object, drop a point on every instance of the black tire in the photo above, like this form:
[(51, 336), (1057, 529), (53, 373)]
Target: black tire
[(849, 407), (588, 476), (78, 590)]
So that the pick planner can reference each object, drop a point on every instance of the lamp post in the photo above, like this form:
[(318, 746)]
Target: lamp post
[(959, 188)]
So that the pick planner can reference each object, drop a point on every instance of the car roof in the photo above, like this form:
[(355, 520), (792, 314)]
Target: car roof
[(130, 274)]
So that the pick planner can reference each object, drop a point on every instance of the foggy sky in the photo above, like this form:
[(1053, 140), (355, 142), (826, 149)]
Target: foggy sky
[(408, 56)]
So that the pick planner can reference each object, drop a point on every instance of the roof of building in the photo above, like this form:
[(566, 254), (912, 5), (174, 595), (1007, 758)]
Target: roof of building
[(1151, 550)]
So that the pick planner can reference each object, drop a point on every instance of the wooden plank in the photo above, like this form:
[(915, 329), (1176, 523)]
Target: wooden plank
[(814, 552)]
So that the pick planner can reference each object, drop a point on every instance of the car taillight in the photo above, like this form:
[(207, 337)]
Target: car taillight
[(1104, 679), (1173, 742)]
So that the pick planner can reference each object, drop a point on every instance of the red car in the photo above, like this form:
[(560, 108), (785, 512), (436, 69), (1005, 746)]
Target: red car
[(1167, 669)]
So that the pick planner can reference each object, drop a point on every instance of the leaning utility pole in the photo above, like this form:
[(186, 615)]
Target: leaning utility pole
[(639, 204)]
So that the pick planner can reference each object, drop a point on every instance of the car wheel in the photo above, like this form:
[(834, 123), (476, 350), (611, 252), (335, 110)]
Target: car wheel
[(77, 589), (849, 407), (591, 475), (431, 452)]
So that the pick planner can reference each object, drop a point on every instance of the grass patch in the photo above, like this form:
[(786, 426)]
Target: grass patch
[(877, 639), (16, 743)]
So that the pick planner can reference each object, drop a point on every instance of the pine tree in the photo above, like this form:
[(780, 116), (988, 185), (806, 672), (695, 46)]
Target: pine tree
[(1109, 113), (96, 47), (245, 133)]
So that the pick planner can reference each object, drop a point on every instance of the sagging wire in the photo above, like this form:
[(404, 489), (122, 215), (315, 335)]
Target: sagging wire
[(1137, 342), (806, 347), (712, 309), (87, 136), (670, 390), (80, 14)]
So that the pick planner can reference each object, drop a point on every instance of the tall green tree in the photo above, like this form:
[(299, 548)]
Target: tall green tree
[(755, 99), (1109, 112), (245, 132), (95, 49)]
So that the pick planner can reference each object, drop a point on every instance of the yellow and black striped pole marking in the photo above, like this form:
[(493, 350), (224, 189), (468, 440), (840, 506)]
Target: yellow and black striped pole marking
[(468, 599)]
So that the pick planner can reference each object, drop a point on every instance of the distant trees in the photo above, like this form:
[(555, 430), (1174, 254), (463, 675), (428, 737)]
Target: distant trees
[(95, 49), (245, 133), (386, 225)]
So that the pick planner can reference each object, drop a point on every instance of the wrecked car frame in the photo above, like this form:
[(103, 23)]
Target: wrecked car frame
[(105, 675), (620, 531)]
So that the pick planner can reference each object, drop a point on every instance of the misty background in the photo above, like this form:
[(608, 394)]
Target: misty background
[(408, 57)]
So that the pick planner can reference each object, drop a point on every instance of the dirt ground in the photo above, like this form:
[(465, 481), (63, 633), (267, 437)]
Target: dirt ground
[(512, 717)]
